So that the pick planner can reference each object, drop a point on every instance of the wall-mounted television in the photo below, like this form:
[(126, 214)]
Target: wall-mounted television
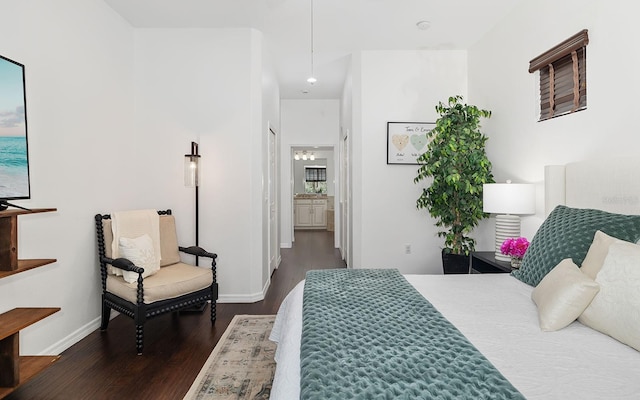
[(14, 153)]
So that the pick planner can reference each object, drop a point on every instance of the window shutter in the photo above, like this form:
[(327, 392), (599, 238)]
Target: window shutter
[(563, 77)]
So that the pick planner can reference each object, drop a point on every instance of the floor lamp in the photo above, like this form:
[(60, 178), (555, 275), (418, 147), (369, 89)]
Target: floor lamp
[(507, 200), (192, 179)]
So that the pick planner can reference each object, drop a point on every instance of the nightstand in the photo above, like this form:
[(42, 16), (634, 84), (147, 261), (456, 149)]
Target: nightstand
[(484, 262)]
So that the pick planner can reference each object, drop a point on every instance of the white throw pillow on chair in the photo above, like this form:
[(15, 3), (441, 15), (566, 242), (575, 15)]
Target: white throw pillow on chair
[(139, 251)]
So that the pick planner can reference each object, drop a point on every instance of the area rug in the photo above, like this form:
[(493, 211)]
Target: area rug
[(241, 366)]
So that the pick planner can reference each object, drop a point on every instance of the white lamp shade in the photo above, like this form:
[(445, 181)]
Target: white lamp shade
[(509, 198)]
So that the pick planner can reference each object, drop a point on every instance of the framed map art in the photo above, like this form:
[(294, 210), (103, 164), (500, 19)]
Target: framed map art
[(406, 141)]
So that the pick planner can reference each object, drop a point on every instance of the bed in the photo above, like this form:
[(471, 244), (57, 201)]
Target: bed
[(496, 314)]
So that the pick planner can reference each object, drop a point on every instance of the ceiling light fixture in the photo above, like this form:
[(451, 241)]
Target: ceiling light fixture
[(311, 79), (304, 155)]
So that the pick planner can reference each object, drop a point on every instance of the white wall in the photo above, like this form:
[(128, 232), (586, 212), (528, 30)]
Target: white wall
[(206, 85), (79, 73), (395, 86), (518, 145), (303, 123)]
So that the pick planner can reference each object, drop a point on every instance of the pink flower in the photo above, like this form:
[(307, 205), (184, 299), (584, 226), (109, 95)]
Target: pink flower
[(515, 247)]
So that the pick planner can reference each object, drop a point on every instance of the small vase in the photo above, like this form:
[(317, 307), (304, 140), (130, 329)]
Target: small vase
[(515, 262)]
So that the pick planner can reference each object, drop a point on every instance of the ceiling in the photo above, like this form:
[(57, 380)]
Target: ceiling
[(340, 27)]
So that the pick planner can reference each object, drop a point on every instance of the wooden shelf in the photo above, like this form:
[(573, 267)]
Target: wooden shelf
[(15, 369), (9, 242), (14, 212), (30, 366), (25, 265), (19, 318)]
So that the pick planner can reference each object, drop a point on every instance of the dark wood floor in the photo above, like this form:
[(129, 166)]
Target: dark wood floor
[(104, 365)]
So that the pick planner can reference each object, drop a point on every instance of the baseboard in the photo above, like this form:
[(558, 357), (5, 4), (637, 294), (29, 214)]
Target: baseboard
[(248, 298), (285, 245), (245, 298), (73, 338)]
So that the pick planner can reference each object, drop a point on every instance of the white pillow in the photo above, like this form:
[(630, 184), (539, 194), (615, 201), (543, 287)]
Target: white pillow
[(562, 295), (141, 252), (598, 250), (615, 311)]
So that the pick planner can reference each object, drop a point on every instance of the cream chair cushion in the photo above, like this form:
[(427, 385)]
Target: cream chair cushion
[(168, 241), (171, 281)]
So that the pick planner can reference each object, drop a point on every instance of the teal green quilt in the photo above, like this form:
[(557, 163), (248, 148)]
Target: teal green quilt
[(368, 334)]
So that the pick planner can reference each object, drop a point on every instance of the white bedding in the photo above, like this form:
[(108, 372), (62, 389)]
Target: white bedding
[(495, 312)]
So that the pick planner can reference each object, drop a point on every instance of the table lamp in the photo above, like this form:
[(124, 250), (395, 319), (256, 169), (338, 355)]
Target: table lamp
[(507, 200)]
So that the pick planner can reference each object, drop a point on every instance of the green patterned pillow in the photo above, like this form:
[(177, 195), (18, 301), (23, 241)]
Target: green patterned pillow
[(568, 233)]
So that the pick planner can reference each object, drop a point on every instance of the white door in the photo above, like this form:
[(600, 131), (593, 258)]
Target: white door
[(344, 198), (273, 227)]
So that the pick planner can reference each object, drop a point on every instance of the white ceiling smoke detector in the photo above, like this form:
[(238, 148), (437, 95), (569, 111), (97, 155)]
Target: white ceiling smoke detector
[(423, 25)]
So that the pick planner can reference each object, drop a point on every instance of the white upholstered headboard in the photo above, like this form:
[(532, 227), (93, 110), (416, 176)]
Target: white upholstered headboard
[(606, 184)]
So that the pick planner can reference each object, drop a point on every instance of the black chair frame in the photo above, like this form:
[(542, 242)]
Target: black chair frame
[(139, 311)]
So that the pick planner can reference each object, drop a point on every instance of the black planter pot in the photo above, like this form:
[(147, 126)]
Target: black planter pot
[(455, 263)]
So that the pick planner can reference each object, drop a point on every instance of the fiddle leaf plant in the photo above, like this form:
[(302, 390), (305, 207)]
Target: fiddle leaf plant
[(456, 160)]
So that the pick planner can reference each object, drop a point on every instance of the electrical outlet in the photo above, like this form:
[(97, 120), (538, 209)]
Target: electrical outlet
[(407, 248)]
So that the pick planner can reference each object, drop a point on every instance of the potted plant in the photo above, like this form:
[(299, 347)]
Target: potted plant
[(456, 160)]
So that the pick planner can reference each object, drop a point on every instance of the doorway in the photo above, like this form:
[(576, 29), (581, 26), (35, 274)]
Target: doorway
[(315, 190)]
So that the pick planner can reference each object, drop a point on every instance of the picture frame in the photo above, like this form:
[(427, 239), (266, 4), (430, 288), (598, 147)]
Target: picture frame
[(406, 141)]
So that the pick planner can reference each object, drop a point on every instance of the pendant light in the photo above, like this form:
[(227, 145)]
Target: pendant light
[(312, 78)]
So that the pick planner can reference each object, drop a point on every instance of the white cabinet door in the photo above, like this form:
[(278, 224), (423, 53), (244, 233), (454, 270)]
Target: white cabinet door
[(319, 211), (303, 213)]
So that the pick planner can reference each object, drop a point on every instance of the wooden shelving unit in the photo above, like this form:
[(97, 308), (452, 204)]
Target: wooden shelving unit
[(9, 242), (15, 369)]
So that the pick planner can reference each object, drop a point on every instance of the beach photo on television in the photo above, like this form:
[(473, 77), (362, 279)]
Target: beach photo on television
[(14, 161), (14, 178)]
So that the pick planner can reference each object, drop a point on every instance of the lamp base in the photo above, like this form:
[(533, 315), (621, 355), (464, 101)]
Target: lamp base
[(507, 226)]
